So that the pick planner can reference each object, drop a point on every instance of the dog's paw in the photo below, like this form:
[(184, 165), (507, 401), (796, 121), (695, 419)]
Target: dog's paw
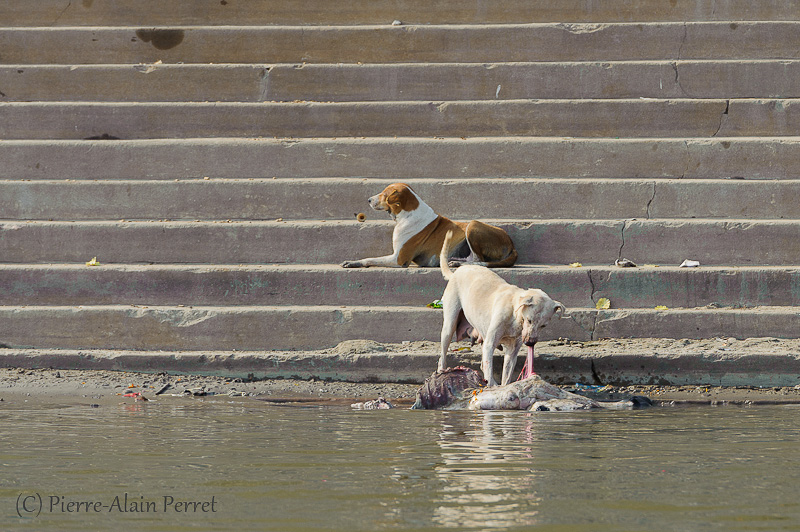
[(351, 264), (454, 263)]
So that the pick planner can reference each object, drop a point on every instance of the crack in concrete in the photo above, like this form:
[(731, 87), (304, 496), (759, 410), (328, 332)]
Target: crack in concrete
[(688, 158), (650, 202), (678, 78), (723, 118), (69, 4), (264, 84), (595, 376), (624, 225), (683, 40), (593, 326), (591, 284)]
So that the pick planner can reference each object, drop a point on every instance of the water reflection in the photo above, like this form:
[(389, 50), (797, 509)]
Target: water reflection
[(298, 469), (485, 472)]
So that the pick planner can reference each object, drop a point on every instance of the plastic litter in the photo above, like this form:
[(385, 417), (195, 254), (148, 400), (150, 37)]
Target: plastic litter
[(689, 264), (436, 303)]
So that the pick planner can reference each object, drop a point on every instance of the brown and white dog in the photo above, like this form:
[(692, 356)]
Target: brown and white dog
[(478, 303), (419, 234)]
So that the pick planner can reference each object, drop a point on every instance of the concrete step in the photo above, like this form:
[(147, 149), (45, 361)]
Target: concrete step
[(620, 118), (344, 198), (249, 328), (403, 158), (402, 44), (759, 362), (775, 79), (213, 12), (237, 285), (712, 242)]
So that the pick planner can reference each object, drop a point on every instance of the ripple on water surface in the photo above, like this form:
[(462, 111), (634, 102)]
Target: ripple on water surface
[(285, 468)]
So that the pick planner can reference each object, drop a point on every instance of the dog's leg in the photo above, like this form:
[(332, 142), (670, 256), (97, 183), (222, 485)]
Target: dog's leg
[(493, 337), (451, 309), (510, 361), (387, 260)]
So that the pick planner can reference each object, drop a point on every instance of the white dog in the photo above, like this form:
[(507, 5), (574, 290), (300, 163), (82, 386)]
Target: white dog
[(478, 303)]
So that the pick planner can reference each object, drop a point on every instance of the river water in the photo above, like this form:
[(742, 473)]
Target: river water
[(216, 464)]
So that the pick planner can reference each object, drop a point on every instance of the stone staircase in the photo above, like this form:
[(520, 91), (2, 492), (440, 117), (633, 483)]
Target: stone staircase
[(212, 156)]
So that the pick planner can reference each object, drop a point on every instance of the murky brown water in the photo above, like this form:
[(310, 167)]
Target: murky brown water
[(264, 467)]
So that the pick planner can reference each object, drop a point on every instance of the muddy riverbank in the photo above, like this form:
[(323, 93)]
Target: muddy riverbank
[(98, 387)]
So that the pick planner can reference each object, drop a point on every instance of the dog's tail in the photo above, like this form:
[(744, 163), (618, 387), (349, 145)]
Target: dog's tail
[(444, 255)]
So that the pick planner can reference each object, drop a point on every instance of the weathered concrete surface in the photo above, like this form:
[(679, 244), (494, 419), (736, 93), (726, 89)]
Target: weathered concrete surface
[(697, 323), (233, 285), (343, 198), (526, 118), (351, 367), (775, 79), (747, 71), (307, 12), (241, 328), (540, 118), (224, 328), (696, 287), (592, 79), (403, 158), (387, 43), (722, 362), (141, 82), (743, 242)]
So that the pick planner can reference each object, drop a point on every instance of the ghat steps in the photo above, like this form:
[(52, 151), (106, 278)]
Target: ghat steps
[(213, 157)]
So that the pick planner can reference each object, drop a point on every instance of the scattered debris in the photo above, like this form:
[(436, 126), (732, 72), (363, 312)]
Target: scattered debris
[(378, 404), (689, 264), (661, 307), (93, 262), (463, 389), (603, 304), (436, 303), (575, 265), (624, 263)]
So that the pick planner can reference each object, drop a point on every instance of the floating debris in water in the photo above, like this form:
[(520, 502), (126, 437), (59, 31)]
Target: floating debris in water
[(378, 404)]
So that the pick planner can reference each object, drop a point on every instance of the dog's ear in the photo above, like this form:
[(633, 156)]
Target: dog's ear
[(524, 301), (559, 309)]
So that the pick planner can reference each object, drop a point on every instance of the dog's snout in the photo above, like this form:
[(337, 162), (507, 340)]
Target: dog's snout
[(530, 341), (374, 202)]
